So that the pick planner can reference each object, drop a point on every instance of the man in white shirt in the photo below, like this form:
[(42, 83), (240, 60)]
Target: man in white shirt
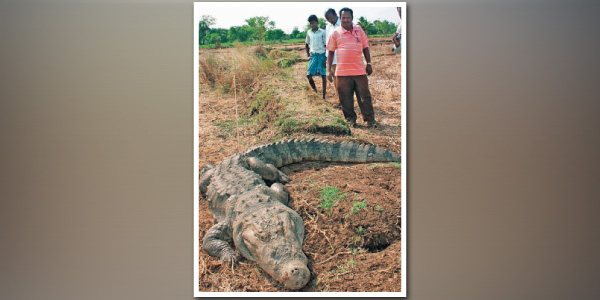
[(316, 42), (397, 38), (334, 23)]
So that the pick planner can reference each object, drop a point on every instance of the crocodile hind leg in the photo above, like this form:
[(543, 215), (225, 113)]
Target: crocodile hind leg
[(216, 243), (266, 171)]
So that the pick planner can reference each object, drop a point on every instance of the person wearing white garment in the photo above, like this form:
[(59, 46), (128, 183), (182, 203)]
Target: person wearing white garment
[(334, 23), (315, 51), (397, 38)]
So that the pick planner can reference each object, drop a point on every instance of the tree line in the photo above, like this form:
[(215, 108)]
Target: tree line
[(262, 29)]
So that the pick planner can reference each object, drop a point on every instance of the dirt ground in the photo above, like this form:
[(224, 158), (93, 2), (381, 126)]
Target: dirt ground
[(354, 246)]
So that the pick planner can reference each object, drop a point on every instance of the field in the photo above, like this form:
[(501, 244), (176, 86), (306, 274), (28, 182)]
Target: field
[(351, 212)]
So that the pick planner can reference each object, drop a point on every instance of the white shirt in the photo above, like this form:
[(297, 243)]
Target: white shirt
[(330, 28), (316, 41)]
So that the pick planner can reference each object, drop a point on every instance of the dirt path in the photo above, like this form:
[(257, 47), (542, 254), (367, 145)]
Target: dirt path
[(355, 244)]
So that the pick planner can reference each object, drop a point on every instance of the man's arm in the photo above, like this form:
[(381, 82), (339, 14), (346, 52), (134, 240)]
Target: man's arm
[(367, 55), (329, 63), (306, 45), (307, 52), (325, 46)]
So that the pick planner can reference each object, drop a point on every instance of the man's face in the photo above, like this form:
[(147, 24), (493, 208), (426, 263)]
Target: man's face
[(314, 25), (346, 18), (331, 18)]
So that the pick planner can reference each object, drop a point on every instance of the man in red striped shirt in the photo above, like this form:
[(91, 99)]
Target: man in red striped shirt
[(351, 43)]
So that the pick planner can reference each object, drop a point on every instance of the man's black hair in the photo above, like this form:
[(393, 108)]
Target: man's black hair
[(347, 9), (313, 18), (331, 11)]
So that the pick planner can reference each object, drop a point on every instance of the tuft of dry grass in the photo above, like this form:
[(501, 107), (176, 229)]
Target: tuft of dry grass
[(249, 65)]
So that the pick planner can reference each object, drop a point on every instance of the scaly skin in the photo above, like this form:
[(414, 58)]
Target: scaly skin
[(247, 198)]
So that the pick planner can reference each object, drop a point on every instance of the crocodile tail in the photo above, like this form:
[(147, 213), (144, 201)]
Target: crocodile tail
[(293, 151)]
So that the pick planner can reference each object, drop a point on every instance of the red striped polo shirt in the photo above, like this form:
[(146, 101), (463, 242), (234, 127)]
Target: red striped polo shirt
[(349, 46)]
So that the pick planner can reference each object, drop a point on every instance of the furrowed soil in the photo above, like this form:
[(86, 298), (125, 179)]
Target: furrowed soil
[(351, 212)]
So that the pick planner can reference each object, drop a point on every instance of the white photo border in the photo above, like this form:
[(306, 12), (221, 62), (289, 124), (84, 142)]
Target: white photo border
[(227, 5)]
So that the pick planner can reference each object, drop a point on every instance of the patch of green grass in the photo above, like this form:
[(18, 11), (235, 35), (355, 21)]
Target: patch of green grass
[(288, 60), (329, 196), (228, 127), (338, 126), (288, 125), (341, 124), (260, 102), (357, 206)]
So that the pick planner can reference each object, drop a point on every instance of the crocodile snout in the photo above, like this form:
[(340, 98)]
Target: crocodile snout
[(296, 275)]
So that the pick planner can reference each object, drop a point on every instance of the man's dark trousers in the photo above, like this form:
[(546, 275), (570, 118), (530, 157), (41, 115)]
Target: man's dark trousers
[(346, 87)]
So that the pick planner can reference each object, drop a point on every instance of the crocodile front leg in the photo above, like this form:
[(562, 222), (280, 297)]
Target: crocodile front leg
[(266, 171), (216, 243), (205, 177)]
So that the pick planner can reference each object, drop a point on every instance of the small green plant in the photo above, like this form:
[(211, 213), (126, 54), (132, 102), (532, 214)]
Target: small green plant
[(373, 166), (342, 269), (352, 263), (361, 231), (379, 208), (329, 196), (357, 206)]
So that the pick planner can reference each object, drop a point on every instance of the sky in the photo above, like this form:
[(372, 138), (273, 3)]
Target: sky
[(291, 14)]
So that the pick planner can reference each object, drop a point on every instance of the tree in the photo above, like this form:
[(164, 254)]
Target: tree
[(205, 22), (294, 33), (322, 23), (261, 25), (366, 25), (275, 34), (219, 31), (384, 27), (246, 33), (233, 33), (214, 38)]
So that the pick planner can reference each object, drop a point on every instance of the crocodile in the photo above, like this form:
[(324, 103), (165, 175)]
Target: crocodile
[(249, 202)]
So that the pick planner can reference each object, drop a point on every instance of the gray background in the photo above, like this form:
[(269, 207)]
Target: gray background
[(96, 158)]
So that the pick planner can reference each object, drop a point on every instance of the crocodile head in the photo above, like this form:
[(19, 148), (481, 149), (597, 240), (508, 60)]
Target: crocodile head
[(274, 240)]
